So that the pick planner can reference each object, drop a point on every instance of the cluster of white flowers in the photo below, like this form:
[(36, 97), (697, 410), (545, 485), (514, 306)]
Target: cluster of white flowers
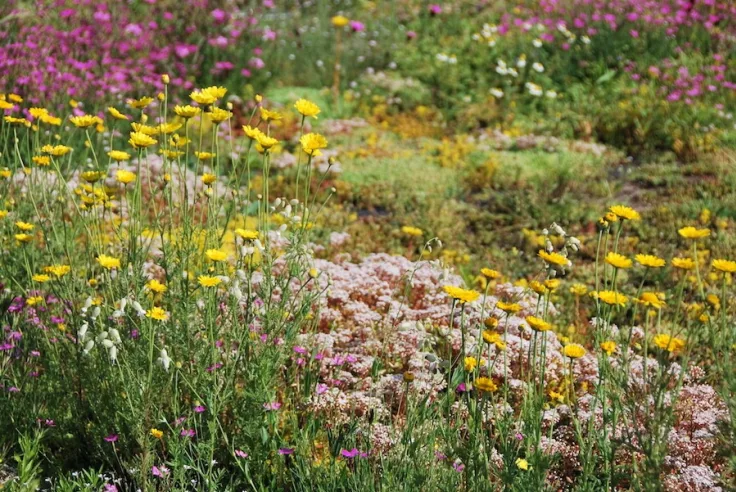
[(444, 58), (487, 34)]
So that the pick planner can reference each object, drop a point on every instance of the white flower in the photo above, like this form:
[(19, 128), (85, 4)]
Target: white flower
[(497, 93), (113, 353), (551, 94), (115, 335), (521, 62), (534, 89), (164, 359), (139, 309), (89, 346), (513, 72), (538, 67), (537, 43), (82, 331)]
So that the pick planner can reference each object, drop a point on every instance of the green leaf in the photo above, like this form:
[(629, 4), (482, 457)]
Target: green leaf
[(605, 77)]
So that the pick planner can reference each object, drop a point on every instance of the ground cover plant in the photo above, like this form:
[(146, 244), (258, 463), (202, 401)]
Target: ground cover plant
[(344, 246)]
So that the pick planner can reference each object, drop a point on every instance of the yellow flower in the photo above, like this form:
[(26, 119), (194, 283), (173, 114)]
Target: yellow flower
[(23, 238), (216, 255), (683, 263), (24, 226), (668, 342), (85, 121), (246, 234), (307, 108), (171, 154), (17, 121), (725, 266), (146, 129), (156, 286), (608, 347), (470, 363), (140, 140), (108, 262), (58, 270), (5, 105), (140, 103), (6, 173), (411, 231), (169, 127), (157, 433), (218, 115), (125, 177), (208, 281), (652, 299), (157, 313), (91, 176), (610, 297), (118, 155), (650, 261), (252, 133), (538, 287), (15, 98), (522, 464), (204, 156), (552, 283), (187, 111), (340, 21), (485, 384), (578, 290), (116, 114), (32, 301), (266, 142), (203, 97), (42, 160), (56, 150), (691, 232), (267, 115), (490, 274), (508, 307), (618, 261), (624, 212), (41, 278), (492, 337), (554, 258), (3, 214), (214, 91), (573, 351), (538, 324), (461, 295), (208, 179)]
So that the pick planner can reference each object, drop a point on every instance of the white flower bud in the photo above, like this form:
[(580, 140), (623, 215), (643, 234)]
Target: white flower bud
[(164, 359), (113, 353), (82, 331), (89, 346), (115, 335)]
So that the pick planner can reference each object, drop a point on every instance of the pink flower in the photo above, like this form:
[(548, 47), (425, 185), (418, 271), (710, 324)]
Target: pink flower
[(273, 406), (219, 15), (199, 409), (241, 454), (357, 26), (111, 438), (286, 451), (435, 9)]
